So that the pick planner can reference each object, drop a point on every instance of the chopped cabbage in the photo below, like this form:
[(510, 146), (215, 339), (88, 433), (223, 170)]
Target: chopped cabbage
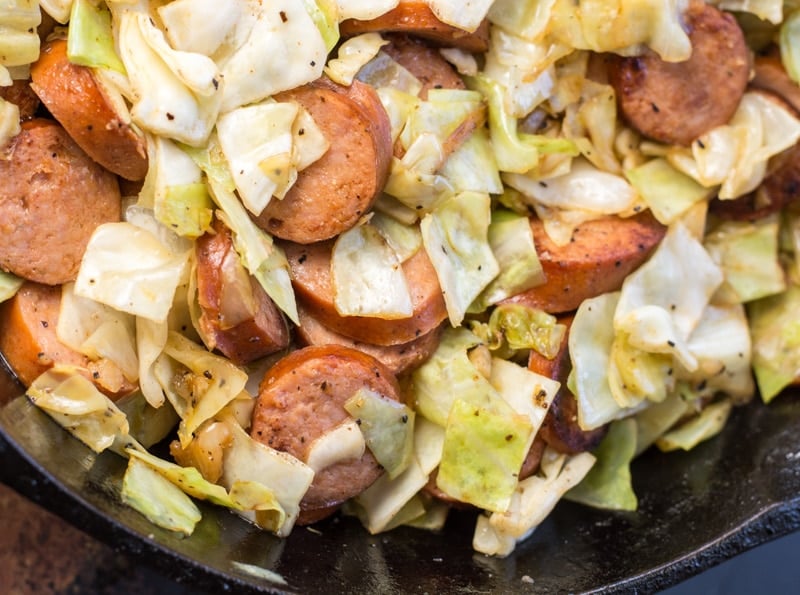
[(766, 10), (345, 442), (456, 240), (789, 45), (367, 276), (404, 239), (19, 41), (175, 94), (463, 15), (364, 10), (280, 29), (388, 428), (325, 14), (249, 461), (485, 443), (199, 26), (9, 121), (388, 76), (517, 326), (9, 285), (58, 9), (529, 394), (668, 192), (472, 166), (158, 499), (131, 270), (352, 55), (608, 483), (707, 424), (147, 425), (657, 419), (775, 329), (200, 385), (90, 41), (747, 253), (74, 402), (98, 331)]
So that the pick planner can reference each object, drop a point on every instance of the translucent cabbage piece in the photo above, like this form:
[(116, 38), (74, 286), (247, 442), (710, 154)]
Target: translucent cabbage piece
[(9, 285), (249, 461), (282, 30), (364, 9), (158, 499), (201, 385), (789, 45), (367, 277), (98, 331), (352, 55), (657, 419), (775, 330), (345, 442), (74, 402), (90, 41), (608, 483), (766, 10), (707, 424), (456, 240), (148, 425), (517, 326), (534, 499), (747, 253), (388, 428), (131, 270), (9, 121), (668, 192), (585, 187), (404, 239), (472, 166), (325, 14), (529, 394)]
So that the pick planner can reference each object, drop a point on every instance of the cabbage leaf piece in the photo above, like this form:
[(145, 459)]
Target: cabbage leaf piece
[(90, 41), (608, 483), (9, 285), (456, 240), (388, 428), (707, 424), (352, 55)]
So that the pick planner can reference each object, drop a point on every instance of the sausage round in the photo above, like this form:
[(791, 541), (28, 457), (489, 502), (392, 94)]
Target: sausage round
[(424, 62), (601, 254), (302, 397), (332, 193), (79, 103), (399, 358), (310, 267), (416, 18), (20, 94), (31, 347), (221, 277), (52, 198), (676, 102), (560, 428)]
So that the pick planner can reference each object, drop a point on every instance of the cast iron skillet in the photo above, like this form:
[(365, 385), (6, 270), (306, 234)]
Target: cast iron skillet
[(696, 510)]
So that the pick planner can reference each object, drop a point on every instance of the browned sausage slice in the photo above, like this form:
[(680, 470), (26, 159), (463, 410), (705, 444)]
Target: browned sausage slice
[(770, 75), (332, 193), (302, 398), (560, 428), (29, 343), (225, 290), (75, 99), (20, 94), (424, 62), (398, 358), (416, 18), (310, 268), (52, 197), (601, 254), (675, 102)]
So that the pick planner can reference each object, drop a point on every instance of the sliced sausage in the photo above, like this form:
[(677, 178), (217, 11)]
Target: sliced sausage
[(237, 316), (52, 197), (302, 397), (770, 75), (434, 72), (310, 267), (416, 18), (424, 62), (398, 358), (31, 347), (20, 94), (332, 193), (78, 102), (560, 428), (601, 254), (675, 102)]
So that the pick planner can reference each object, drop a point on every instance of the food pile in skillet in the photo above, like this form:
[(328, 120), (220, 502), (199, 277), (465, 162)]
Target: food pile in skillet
[(389, 258)]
